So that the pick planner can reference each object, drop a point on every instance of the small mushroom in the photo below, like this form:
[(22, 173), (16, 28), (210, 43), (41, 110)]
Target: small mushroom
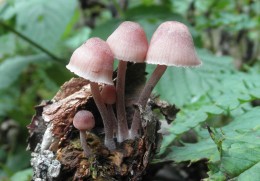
[(108, 95), (128, 43), (94, 61), (171, 45), (84, 121)]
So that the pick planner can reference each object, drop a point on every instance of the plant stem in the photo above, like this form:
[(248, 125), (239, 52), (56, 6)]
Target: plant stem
[(51, 55), (143, 98), (109, 142), (120, 103)]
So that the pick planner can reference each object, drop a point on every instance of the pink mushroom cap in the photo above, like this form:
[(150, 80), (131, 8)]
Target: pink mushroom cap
[(128, 42), (172, 45), (93, 61), (84, 120), (108, 94)]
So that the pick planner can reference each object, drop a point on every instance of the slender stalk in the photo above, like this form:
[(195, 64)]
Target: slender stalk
[(143, 98), (82, 135), (109, 142), (120, 103), (51, 55), (113, 118)]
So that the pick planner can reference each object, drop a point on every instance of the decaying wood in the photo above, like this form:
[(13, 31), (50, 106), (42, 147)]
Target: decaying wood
[(56, 150)]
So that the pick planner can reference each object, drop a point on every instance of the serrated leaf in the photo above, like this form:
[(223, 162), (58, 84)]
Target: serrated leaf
[(212, 89), (44, 21), (194, 152), (11, 68), (185, 83), (227, 101), (238, 157), (251, 174), (240, 152)]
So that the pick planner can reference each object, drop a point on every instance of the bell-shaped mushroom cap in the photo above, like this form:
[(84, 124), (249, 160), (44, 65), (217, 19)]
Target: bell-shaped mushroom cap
[(128, 42), (93, 61), (84, 120), (172, 45)]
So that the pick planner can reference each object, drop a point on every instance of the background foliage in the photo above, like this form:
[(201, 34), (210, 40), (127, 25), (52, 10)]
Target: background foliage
[(219, 121)]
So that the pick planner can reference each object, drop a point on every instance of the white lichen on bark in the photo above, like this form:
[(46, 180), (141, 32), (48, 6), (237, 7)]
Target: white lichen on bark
[(45, 166)]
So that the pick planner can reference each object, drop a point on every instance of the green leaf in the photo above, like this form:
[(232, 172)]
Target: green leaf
[(194, 152), (105, 29), (6, 104), (7, 10), (215, 88), (147, 12), (19, 160), (23, 175), (251, 174), (186, 84), (216, 100), (241, 151), (239, 157), (7, 45), (78, 38), (44, 21), (11, 68), (142, 14)]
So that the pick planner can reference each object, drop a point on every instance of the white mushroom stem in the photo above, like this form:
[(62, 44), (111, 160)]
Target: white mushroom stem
[(120, 103), (82, 135), (109, 142), (143, 98)]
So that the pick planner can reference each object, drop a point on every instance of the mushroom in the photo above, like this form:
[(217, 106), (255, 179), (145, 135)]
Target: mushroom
[(94, 61), (84, 121), (128, 43), (171, 45), (108, 95)]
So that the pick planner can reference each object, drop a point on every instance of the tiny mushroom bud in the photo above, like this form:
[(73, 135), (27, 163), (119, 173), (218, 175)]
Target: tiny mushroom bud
[(128, 43), (171, 45), (84, 121), (108, 94), (94, 61)]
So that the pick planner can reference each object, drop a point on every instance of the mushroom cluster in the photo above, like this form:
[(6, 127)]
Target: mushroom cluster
[(170, 45)]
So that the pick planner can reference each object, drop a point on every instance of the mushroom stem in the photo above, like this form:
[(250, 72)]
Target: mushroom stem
[(109, 142), (120, 103), (113, 118), (143, 98), (82, 135)]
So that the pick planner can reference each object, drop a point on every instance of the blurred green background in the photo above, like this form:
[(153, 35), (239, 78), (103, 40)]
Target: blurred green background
[(37, 38)]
